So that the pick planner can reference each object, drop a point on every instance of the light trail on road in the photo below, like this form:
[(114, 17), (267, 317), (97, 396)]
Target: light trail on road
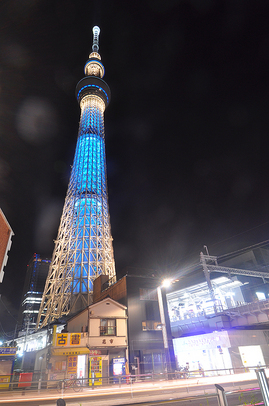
[(179, 391)]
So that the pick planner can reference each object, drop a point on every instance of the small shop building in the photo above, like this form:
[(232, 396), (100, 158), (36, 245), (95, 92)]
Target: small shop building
[(7, 357), (93, 347)]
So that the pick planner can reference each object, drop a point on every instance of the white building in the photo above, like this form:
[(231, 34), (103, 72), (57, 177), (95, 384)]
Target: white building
[(95, 344)]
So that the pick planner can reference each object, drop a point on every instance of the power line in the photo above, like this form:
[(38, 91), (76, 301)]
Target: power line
[(260, 244), (243, 232), (7, 309), (7, 335)]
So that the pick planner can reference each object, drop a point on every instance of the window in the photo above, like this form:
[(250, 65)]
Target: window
[(108, 327), (151, 325), (148, 294)]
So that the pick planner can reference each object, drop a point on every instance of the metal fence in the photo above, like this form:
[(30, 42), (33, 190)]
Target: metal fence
[(36, 381)]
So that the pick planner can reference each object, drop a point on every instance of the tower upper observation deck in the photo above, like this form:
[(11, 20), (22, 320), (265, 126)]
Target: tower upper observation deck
[(92, 83)]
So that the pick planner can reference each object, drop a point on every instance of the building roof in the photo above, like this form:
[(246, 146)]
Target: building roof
[(107, 299)]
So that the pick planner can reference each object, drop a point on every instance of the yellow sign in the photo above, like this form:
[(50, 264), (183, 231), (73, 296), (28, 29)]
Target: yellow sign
[(95, 371), (4, 381), (70, 351), (8, 351), (64, 339), (61, 339), (75, 339)]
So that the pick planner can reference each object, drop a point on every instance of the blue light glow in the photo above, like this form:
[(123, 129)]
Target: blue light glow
[(89, 195), (97, 87)]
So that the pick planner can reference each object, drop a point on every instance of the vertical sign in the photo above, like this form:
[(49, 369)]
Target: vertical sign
[(95, 371), (72, 365)]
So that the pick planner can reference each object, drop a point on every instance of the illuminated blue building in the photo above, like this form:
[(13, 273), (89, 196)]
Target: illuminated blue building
[(83, 248)]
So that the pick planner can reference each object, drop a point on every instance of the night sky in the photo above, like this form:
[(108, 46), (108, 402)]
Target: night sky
[(186, 130)]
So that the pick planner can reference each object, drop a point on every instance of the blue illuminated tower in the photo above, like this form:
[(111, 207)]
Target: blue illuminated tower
[(83, 248)]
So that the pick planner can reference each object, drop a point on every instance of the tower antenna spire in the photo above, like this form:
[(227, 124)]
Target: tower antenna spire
[(95, 43)]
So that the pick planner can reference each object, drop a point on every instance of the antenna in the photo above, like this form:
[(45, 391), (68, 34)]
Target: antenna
[(95, 44)]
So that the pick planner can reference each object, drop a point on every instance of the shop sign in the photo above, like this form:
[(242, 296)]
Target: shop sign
[(4, 381), (70, 351), (72, 364), (64, 339), (106, 341), (95, 352), (118, 366), (95, 371), (8, 350), (204, 341), (75, 339), (61, 339)]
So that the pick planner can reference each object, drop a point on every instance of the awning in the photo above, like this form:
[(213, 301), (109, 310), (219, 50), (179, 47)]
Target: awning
[(74, 351), (70, 351)]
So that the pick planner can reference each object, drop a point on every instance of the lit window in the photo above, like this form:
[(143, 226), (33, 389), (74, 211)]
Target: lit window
[(151, 325), (108, 327), (261, 296)]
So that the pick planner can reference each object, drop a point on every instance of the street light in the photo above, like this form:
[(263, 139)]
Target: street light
[(166, 283)]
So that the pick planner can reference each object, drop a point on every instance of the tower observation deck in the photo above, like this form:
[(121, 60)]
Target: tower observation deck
[(83, 248)]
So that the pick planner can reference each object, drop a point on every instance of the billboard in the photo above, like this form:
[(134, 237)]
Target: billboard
[(6, 234)]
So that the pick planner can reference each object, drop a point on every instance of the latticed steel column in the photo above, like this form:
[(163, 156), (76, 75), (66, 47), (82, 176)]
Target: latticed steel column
[(83, 249)]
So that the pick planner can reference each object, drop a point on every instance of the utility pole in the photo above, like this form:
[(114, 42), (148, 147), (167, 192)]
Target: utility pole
[(207, 277), (164, 331)]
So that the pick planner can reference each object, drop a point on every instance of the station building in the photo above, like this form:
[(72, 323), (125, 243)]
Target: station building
[(219, 315)]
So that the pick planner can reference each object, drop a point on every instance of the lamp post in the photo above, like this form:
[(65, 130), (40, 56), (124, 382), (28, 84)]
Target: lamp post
[(165, 283)]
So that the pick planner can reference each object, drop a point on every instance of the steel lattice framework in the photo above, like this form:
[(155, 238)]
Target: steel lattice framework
[(83, 248)]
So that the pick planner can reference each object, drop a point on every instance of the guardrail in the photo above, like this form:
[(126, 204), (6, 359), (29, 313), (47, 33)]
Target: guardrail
[(36, 381)]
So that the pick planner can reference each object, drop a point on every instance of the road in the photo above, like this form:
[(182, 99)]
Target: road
[(201, 392), (234, 399)]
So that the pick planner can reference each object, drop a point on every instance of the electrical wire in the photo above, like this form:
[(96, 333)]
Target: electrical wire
[(243, 232), (7, 309), (7, 335), (258, 245)]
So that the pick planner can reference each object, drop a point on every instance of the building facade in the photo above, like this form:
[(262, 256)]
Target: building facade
[(147, 352), (6, 234), (222, 325), (35, 279), (94, 346)]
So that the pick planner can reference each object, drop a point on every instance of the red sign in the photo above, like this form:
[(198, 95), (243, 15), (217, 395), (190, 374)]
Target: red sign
[(95, 352), (25, 379)]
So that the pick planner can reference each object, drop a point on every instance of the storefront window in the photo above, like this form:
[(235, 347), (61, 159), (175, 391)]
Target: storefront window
[(153, 362), (60, 366)]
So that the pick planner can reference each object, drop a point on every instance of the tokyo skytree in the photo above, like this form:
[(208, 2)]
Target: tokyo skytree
[(83, 248)]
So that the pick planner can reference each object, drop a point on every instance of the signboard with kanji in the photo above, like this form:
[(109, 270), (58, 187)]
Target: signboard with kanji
[(72, 365), (75, 339), (70, 351), (66, 339), (61, 339)]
